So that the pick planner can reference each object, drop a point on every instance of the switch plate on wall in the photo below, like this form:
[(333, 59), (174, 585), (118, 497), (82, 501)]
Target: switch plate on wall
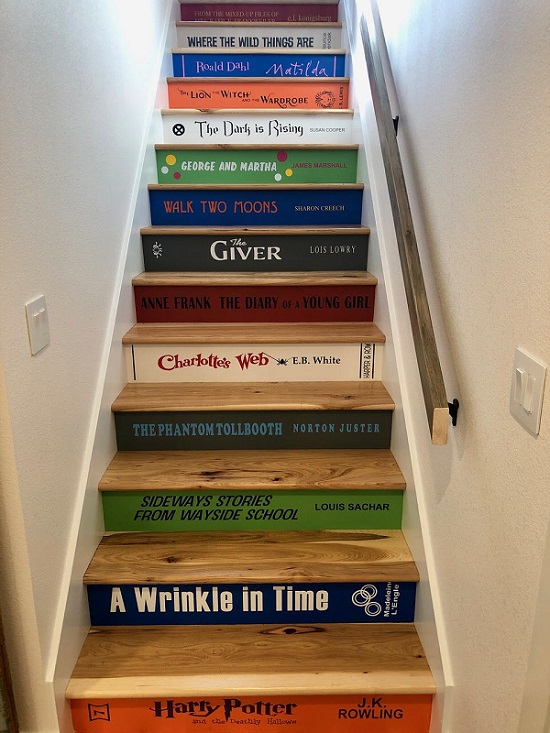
[(526, 394), (37, 324)]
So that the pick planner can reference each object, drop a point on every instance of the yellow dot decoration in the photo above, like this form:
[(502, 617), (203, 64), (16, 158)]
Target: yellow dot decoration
[(288, 172), (170, 159)]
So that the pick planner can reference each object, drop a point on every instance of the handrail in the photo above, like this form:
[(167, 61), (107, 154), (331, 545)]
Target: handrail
[(433, 387)]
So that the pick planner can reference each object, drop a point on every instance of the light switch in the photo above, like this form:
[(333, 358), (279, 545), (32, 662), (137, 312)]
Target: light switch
[(37, 324), (527, 392)]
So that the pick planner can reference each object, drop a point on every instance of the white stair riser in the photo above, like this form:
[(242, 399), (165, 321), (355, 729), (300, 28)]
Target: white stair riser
[(253, 362), (259, 128)]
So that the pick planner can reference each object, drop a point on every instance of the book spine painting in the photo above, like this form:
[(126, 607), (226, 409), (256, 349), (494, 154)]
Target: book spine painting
[(265, 126), (257, 303), (256, 165), (257, 37), (191, 64), (261, 207), (245, 251), (253, 429), (254, 362), (180, 511), (252, 93), (266, 603), (261, 12), (261, 713)]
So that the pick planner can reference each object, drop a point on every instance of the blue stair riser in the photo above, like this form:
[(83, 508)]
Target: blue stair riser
[(242, 64), (248, 252), (253, 429), (268, 603), (173, 206)]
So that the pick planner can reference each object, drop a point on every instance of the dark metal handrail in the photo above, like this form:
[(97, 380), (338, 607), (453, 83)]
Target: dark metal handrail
[(433, 386)]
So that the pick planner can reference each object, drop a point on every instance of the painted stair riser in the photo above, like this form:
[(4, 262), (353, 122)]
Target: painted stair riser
[(241, 63), (219, 127), (259, 36), (246, 603), (180, 511), (261, 207), (254, 303), (304, 714), (261, 12), (248, 252), (278, 165), (253, 429), (254, 362), (254, 93)]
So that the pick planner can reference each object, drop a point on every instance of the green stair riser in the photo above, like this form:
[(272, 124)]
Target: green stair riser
[(278, 165), (177, 511)]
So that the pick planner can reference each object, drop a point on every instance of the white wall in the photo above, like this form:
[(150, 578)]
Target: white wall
[(77, 82), (473, 82)]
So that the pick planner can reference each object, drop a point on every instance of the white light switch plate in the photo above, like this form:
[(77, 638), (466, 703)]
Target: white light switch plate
[(37, 324), (527, 391)]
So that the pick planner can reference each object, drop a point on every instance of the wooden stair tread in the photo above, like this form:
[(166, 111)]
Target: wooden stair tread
[(243, 146), (258, 51), (156, 397), (307, 556), (264, 231), (249, 24), (262, 279), (257, 333), (255, 660), (252, 470), (258, 111), (262, 79), (253, 186)]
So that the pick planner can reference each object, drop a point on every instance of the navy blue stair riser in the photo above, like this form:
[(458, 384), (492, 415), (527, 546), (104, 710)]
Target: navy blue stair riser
[(267, 603)]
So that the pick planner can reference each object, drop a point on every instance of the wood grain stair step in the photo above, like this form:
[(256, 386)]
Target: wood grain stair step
[(250, 24), (253, 333), (366, 395), (282, 470), (343, 556), (258, 111), (254, 660), (264, 279), (264, 231), (255, 187), (243, 146)]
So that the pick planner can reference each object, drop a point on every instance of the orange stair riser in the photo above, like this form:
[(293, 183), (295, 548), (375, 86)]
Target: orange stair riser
[(306, 714)]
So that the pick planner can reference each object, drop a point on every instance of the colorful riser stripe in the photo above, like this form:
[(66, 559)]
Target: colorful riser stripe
[(278, 165), (261, 12), (257, 93), (236, 603), (249, 207), (248, 252), (254, 303), (217, 127), (238, 64), (257, 36), (253, 429), (254, 362), (303, 714), (179, 511)]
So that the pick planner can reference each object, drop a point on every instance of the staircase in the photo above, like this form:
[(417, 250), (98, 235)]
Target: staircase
[(253, 572)]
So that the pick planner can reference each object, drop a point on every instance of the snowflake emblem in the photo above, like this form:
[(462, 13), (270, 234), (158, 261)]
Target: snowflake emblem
[(157, 249)]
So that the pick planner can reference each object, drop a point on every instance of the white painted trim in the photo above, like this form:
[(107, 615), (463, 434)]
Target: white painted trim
[(400, 374)]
